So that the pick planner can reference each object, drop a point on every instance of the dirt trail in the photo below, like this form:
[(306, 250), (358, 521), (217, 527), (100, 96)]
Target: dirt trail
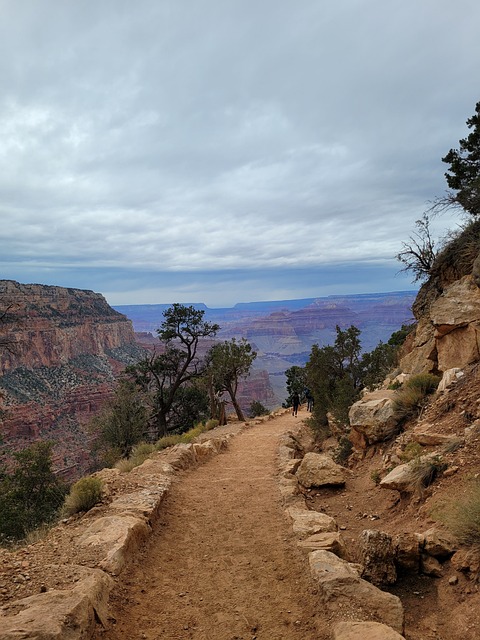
[(224, 565)]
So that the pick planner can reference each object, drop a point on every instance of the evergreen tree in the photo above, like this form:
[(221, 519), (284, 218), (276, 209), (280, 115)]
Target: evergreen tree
[(463, 176)]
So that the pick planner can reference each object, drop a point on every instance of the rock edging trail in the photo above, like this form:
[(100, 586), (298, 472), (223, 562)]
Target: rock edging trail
[(225, 564)]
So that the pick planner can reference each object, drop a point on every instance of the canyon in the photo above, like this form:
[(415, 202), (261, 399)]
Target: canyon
[(63, 348)]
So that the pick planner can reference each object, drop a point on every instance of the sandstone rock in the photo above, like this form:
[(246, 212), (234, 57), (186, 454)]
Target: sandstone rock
[(423, 355), (117, 537), (364, 631), (430, 566), (307, 523), (430, 438), (146, 502), (58, 615), (456, 318), (331, 541), (407, 551), (400, 478), (439, 544), (289, 467), (182, 456), (373, 416), (204, 450), (377, 557), (449, 377), (317, 470), (341, 587)]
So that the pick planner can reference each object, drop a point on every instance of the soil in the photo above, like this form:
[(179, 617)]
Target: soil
[(224, 564)]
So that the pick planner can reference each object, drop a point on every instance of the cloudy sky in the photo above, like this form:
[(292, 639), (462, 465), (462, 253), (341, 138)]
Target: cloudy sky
[(222, 151)]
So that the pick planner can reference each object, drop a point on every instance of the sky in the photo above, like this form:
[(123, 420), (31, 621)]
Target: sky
[(225, 151)]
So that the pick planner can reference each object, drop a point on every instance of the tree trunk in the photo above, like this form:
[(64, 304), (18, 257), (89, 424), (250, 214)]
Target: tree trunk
[(236, 406)]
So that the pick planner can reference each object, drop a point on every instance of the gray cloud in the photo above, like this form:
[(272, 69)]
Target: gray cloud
[(178, 141)]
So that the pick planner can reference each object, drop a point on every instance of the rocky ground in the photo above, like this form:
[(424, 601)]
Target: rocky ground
[(224, 562)]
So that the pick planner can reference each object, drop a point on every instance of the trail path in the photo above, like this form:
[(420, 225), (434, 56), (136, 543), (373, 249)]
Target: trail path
[(224, 565)]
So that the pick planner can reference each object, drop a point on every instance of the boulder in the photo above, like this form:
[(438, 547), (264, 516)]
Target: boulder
[(331, 541), (317, 470), (342, 589), (115, 539), (423, 355), (377, 556), (430, 566), (307, 523), (431, 439), (439, 544), (373, 416), (400, 478), (407, 551), (450, 376), (56, 615), (456, 318), (364, 631)]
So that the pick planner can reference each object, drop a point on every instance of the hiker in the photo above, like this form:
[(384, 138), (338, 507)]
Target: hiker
[(309, 399), (295, 403)]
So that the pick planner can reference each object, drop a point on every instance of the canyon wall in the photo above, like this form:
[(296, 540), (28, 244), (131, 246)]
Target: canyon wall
[(60, 350)]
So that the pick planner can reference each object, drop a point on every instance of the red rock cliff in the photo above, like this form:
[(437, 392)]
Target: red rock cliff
[(61, 349)]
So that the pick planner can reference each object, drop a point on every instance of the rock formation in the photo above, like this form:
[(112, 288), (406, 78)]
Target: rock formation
[(61, 351)]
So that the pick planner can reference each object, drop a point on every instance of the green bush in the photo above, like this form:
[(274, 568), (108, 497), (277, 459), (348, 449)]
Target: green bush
[(84, 495), (257, 409), (343, 451), (140, 453), (31, 494), (426, 382), (211, 424), (463, 518)]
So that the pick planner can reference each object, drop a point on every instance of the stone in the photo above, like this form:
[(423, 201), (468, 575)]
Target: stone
[(56, 615), (423, 355), (377, 557), (439, 544), (330, 541), (118, 537), (404, 478), (341, 588), (450, 376), (364, 631), (317, 470), (373, 416), (430, 566), (428, 438), (407, 552), (307, 523), (456, 318)]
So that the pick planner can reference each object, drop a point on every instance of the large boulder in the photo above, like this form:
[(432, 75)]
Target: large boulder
[(342, 589), (439, 544), (308, 523), (377, 557), (407, 551), (318, 470), (373, 416)]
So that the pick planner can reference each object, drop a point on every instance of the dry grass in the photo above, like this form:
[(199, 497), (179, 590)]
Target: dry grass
[(462, 517), (84, 495)]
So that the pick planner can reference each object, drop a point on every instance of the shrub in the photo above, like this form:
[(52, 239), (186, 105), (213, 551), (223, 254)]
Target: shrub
[(139, 454), (412, 398), (211, 424), (343, 451), (424, 470), (167, 441), (84, 495), (463, 518), (257, 409), (412, 450), (375, 476), (31, 495)]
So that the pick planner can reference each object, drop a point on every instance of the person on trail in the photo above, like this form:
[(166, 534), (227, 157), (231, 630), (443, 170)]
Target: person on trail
[(295, 403), (309, 398)]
